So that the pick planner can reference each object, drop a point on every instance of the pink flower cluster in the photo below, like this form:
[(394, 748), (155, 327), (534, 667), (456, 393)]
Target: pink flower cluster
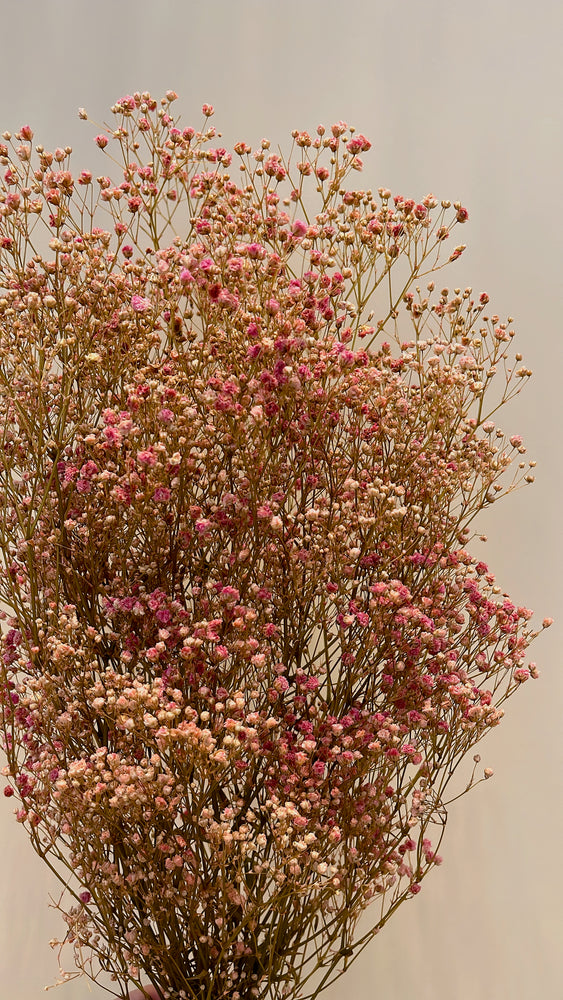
[(248, 644)]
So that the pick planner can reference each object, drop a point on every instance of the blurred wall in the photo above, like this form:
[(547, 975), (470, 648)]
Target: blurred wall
[(465, 100)]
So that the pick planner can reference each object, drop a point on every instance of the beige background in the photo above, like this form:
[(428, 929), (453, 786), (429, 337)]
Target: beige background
[(462, 98)]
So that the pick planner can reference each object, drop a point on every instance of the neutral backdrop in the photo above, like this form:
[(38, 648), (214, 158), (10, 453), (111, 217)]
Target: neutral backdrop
[(462, 98)]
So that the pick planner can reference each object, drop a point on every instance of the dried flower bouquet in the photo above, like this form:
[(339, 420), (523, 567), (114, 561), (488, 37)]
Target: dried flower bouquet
[(244, 442)]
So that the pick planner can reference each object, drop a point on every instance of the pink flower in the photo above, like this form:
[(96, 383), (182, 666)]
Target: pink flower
[(203, 526), (256, 251), (70, 473), (358, 144), (162, 494), (112, 435), (338, 129), (126, 104), (101, 141), (139, 304), (299, 228)]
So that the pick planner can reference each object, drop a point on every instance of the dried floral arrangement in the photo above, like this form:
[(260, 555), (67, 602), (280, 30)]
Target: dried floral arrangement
[(244, 442)]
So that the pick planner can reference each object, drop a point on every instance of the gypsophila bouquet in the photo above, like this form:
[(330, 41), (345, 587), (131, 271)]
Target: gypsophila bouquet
[(244, 441)]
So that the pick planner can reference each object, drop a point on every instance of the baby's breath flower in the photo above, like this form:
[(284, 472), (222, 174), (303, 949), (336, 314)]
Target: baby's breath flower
[(244, 640)]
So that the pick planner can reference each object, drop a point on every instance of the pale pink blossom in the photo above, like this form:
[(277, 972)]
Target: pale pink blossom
[(140, 304)]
